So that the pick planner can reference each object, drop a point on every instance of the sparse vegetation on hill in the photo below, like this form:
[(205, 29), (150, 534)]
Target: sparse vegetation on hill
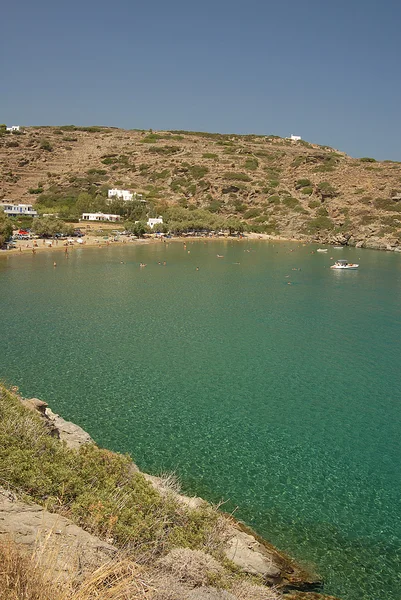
[(226, 175)]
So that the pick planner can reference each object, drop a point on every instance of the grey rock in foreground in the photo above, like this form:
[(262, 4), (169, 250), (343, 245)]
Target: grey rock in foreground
[(63, 549), (73, 435), (246, 552)]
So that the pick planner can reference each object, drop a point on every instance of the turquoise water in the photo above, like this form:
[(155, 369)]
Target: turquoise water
[(283, 400)]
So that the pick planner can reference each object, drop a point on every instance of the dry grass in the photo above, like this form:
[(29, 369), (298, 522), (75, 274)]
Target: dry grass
[(22, 577), (243, 590), (193, 567)]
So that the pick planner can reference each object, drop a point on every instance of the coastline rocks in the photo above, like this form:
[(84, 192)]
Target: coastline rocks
[(60, 546), (73, 435), (241, 545), (169, 485), (250, 556)]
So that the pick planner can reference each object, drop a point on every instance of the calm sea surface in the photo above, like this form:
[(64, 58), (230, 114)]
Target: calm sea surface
[(283, 400)]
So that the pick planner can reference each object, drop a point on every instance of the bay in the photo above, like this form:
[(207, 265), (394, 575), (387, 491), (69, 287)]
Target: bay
[(283, 400)]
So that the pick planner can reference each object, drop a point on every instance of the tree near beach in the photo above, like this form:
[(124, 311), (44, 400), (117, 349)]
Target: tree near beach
[(49, 226), (139, 228), (6, 228)]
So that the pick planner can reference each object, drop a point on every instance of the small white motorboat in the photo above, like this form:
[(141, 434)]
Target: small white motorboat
[(343, 264), (321, 250)]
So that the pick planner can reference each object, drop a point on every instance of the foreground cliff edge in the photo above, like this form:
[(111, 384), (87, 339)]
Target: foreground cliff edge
[(82, 519)]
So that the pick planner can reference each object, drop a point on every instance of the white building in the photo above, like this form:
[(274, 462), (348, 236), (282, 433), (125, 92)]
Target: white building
[(295, 138), (152, 222), (15, 210), (125, 195), (100, 217), (13, 128)]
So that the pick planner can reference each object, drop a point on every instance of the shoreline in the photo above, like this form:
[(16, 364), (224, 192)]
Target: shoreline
[(24, 247), (252, 554), (27, 247)]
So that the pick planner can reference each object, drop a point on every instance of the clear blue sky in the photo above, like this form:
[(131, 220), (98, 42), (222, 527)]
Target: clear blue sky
[(330, 72)]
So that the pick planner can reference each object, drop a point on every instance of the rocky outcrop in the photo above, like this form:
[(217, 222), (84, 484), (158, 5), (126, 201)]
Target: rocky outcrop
[(246, 552), (60, 546), (73, 435)]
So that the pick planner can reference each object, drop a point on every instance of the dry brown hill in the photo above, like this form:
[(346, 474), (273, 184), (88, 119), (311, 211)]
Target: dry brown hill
[(293, 189)]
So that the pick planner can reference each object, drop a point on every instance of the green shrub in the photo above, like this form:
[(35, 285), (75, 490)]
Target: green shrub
[(231, 176), (367, 219), (301, 183), (319, 224), (313, 203), (165, 150), (252, 213), (210, 155), (307, 191), (159, 175), (195, 171), (215, 206), (45, 145), (6, 228), (240, 207), (96, 488), (274, 200), (326, 190), (367, 159), (290, 202), (38, 190), (298, 161), (324, 169), (96, 172), (385, 204), (251, 164), (153, 138)]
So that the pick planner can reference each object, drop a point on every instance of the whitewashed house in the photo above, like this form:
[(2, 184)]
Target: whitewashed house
[(152, 222), (295, 138), (13, 128), (100, 217), (125, 195), (15, 210)]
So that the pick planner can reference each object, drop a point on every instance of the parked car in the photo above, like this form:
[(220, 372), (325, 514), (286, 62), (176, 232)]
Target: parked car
[(21, 236)]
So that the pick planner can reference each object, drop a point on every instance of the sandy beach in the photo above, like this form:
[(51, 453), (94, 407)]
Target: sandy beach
[(92, 240)]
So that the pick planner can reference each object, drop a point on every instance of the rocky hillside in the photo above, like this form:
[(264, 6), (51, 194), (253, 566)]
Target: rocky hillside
[(276, 185)]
